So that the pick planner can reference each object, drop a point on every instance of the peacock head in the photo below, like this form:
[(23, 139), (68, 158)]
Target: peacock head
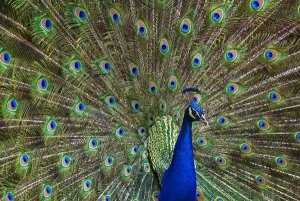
[(194, 110)]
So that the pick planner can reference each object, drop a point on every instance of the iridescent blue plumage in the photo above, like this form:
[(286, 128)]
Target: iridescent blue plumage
[(182, 165)]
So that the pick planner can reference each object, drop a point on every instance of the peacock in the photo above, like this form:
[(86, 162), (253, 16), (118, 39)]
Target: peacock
[(150, 100)]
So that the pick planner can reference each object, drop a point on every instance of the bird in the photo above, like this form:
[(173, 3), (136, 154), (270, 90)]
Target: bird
[(145, 100), (179, 180)]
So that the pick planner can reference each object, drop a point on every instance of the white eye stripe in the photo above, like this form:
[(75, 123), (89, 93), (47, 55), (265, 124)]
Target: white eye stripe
[(197, 113), (191, 113)]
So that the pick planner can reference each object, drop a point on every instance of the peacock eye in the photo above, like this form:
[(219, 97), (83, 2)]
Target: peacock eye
[(47, 191), (194, 114)]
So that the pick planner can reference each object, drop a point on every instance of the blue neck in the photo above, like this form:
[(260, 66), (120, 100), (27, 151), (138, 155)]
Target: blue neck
[(179, 181), (184, 146)]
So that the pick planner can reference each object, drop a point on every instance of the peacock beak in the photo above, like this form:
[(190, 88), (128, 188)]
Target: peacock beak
[(203, 119)]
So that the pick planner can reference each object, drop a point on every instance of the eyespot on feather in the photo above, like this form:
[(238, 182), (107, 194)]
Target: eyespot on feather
[(186, 26), (115, 16), (217, 15), (5, 57), (80, 14), (257, 5), (142, 29), (231, 55), (46, 24)]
